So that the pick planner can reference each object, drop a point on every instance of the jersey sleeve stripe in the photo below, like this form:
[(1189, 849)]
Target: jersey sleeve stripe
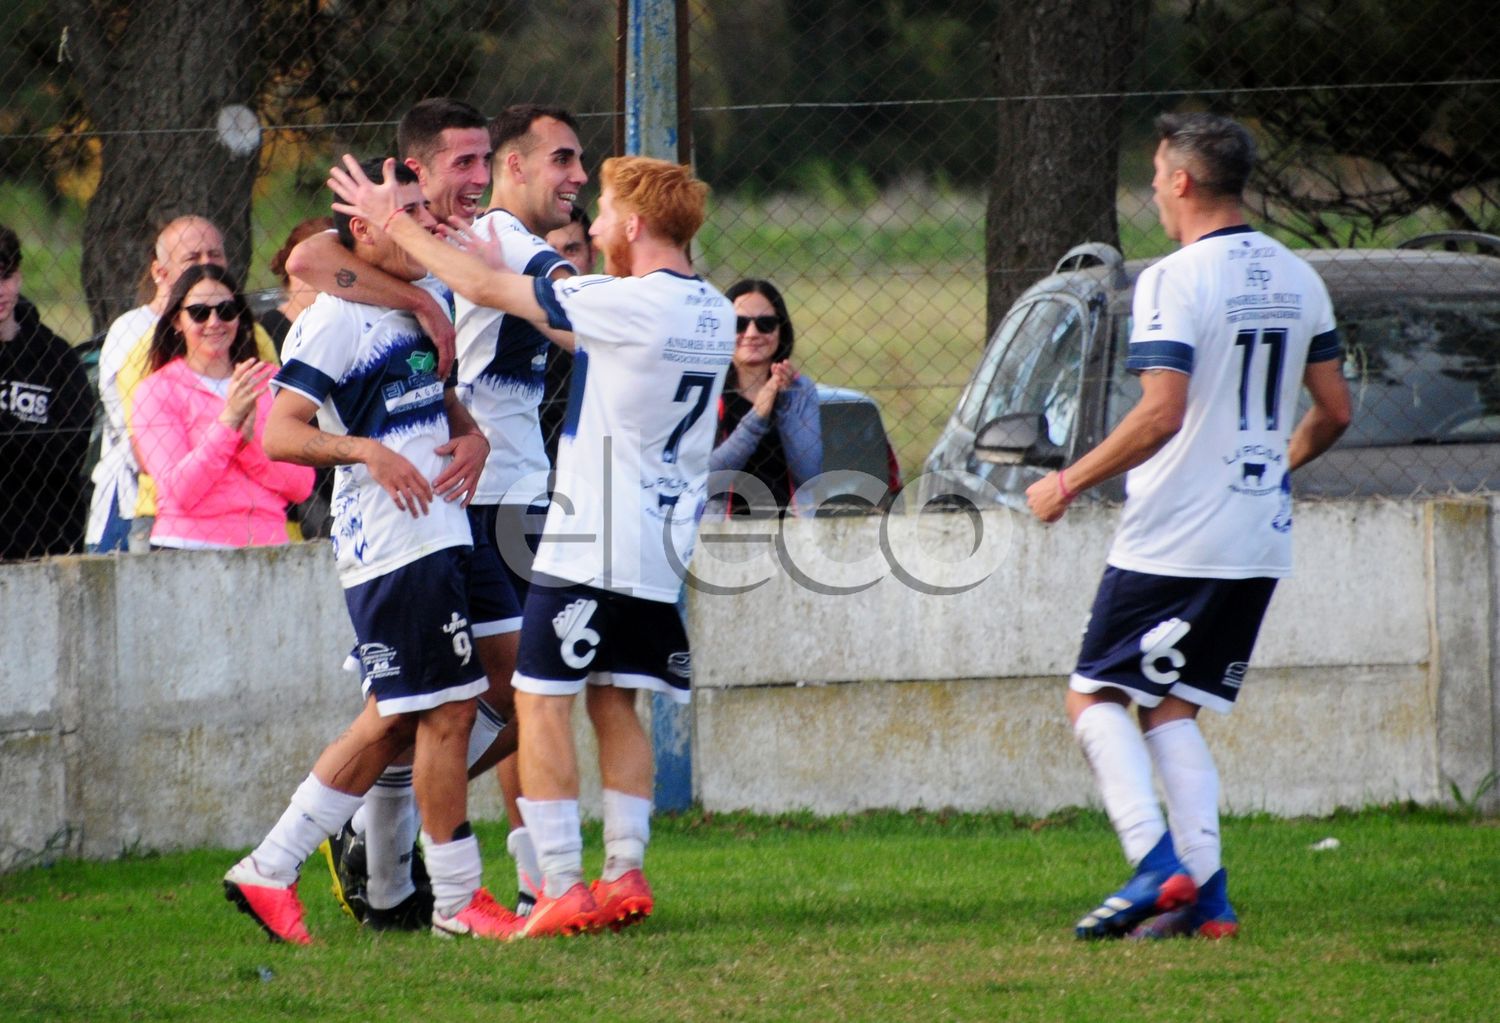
[(308, 381), (1144, 355), (543, 263), (1326, 346), (546, 297)]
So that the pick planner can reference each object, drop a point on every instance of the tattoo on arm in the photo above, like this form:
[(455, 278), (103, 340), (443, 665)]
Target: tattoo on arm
[(322, 447), (345, 277)]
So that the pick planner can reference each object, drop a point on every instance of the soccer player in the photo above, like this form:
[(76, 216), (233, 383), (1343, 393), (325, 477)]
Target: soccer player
[(446, 143), (652, 344), (538, 171), (1225, 331), (408, 458)]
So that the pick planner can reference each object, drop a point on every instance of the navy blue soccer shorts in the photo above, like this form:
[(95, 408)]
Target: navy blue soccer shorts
[(413, 643), (494, 601), (575, 635), (1155, 636)]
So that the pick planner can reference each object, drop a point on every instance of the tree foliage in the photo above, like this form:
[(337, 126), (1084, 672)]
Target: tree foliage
[(1373, 109)]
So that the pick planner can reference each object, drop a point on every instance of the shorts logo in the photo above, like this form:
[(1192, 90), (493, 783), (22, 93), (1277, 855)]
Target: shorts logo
[(572, 627), (681, 664), (1161, 644), (1234, 674), (379, 660)]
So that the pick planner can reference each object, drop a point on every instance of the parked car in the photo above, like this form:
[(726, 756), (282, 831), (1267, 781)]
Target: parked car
[(1421, 332), (860, 470)]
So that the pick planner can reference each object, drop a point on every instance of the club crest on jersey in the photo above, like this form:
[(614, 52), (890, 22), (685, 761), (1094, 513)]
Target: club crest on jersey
[(1257, 470)]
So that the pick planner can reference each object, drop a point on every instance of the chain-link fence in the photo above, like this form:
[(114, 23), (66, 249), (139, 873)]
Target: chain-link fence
[(901, 170)]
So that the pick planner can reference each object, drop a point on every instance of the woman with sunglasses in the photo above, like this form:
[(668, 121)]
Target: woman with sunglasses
[(769, 425), (197, 423)]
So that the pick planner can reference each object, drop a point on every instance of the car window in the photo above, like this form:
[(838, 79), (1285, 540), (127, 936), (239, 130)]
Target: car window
[(1041, 369), (973, 399), (1422, 370)]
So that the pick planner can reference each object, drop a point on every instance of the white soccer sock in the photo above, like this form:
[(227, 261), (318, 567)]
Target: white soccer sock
[(360, 821), (1116, 751), (315, 812), (391, 828), (455, 870), (528, 871), (627, 829), (1191, 782), (558, 838), (487, 725)]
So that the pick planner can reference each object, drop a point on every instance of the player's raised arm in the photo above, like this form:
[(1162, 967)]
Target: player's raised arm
[(464, 272)]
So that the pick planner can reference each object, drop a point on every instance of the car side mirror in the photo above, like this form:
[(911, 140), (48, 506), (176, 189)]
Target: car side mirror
[(1017, 439)]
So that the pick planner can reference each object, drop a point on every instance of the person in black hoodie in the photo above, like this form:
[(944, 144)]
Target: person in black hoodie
[(46, 412)]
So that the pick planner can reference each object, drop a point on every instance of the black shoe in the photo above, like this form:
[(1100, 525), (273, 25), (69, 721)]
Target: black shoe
[(413, 913), (345, 852)]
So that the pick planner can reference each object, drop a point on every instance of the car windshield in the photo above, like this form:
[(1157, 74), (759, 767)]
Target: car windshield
[(1422, 369)]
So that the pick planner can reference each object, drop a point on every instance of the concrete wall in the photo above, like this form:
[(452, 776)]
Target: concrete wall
[(1373, 679), (176, 700)]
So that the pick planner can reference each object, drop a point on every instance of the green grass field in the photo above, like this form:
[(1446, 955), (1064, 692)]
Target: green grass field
[(875, 917)]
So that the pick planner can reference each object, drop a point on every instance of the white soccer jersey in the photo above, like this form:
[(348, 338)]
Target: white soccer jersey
[(115, 473), (1242, 315), (373, 373), (632, 462), (502, 361)]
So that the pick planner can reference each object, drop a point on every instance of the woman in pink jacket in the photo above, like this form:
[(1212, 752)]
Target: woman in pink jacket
[(198, 421)]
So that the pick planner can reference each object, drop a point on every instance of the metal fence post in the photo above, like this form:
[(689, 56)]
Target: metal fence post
[(651, 129)]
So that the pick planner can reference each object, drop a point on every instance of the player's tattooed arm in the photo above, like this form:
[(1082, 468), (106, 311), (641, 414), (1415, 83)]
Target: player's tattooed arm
[(326, 265), (291, 436)]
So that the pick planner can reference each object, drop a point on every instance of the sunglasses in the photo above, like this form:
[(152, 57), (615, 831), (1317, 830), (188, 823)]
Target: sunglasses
[(764, 324), (228, 311)]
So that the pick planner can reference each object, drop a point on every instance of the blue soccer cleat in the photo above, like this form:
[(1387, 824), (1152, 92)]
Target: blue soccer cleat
[(1160, 884), (1211, 917)]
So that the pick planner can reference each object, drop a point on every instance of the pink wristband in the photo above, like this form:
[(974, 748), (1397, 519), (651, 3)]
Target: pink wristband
[(1062, 488)]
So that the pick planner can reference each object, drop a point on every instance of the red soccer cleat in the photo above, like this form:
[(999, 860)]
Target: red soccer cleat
[(275, 907), (482, 917), (572, 912), (624, 901)]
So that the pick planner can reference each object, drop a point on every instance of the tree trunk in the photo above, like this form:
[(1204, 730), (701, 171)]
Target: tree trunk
[(157, 73), (1060, 67)]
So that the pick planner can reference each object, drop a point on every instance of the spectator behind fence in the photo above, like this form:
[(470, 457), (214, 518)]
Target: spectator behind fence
[(297, 293), (201, 244), (763, 391), (46, 412), (198, 419), (184, 242), (571, 242)]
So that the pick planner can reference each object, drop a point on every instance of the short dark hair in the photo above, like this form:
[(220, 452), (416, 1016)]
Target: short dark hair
[(1218, 150), (374, 170), (515, 121), (579, 215), (785, 339), (10, 252), (421, 128), (168, 343)]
